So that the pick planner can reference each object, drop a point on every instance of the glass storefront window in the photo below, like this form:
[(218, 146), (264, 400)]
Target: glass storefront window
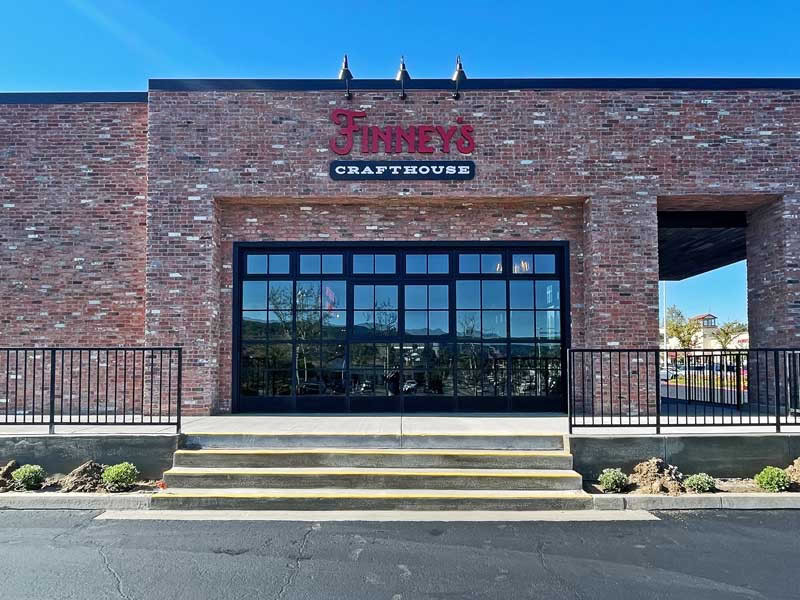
[(338, 328)]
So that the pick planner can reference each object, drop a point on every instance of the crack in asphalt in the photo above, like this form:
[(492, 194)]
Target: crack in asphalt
[(74, 529), (564, 582), (294, 567), (110, 569)]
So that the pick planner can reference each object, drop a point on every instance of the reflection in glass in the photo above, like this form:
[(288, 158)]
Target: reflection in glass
[(522, 264), (416, 322), (468, 323), (438, 322), (548, 324), (386, 322), (468, 294), (307, 371), (521, 323), (254, 295), (334, 370), (279, 264), (363, 263), (309, 325), (521, 294), (548, 295), (428, 369), (491, 263), (385, 263), (364, 296), (493, 294), (256, 264), (308, 295), (375, 369), (309, 319), (280, 295), (265, 370), (310, 264), (280, 324), (334, 295), (545, 264), (469, 263), (438, 296), (332, 264), (438, 264), (493, 323), (416, 264), (254, 324), (416, 296), (385, 297)]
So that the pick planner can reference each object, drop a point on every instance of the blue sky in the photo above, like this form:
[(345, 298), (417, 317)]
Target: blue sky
[(95, 45)]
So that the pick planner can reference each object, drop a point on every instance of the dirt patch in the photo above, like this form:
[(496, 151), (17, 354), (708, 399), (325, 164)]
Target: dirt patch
[(655, 476), (793, 471), (85, 478), (6, 483)]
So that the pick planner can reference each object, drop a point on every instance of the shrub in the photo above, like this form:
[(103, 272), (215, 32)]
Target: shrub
[(773, 479), (613, 480), (30, 477), (700, 483), (121, 477)]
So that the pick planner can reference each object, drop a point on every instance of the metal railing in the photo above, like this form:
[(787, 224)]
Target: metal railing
[(683, 388), (90, 386)]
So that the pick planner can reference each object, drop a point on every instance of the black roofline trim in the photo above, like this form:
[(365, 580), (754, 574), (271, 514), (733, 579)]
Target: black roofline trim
[(296, 85), (71, 97)]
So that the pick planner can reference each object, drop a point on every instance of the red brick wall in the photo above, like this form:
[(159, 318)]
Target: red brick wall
[(773, 274), (73, 184), (619, 149)]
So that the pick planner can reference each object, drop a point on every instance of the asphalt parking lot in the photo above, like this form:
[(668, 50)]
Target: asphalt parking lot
[(48, 555)]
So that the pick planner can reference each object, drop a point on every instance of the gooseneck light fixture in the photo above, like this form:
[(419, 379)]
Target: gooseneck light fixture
[(458, 77), (402, 76), (346, 76)]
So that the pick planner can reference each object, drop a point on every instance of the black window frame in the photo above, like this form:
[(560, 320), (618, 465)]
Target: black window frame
[(399, 402)]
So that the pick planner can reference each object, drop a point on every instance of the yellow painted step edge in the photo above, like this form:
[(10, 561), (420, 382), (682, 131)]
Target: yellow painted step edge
[(387, 451), (533, 495), (393, 472), (359, 434)]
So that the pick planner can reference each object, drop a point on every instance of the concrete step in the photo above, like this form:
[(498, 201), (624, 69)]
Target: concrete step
[(370, 499), (377, 457), (374, 478), (531, 441)]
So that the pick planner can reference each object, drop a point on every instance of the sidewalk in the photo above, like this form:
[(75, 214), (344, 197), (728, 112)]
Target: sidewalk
[(324, 424)]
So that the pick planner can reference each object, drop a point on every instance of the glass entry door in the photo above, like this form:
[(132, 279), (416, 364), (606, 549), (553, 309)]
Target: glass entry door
[(405, 327)]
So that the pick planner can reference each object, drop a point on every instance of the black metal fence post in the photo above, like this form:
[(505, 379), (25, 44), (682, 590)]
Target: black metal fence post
[(180, 390), (739, 392), (658, 391), (776, 354), (52, 427), (570, 392)]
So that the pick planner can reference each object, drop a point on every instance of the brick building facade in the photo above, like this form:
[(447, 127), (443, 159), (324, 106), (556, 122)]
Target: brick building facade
[(120, 212)]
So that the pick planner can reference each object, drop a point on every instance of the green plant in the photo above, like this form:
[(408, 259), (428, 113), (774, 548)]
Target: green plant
[(613, 480), (773, 479), (121, 477), (30, 477), (700, 483)]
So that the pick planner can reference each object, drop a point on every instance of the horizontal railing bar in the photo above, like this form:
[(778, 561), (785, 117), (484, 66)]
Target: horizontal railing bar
[(86, 348), (671, 350)]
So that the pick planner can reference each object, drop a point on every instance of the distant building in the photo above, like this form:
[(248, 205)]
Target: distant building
[(704, 339)]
